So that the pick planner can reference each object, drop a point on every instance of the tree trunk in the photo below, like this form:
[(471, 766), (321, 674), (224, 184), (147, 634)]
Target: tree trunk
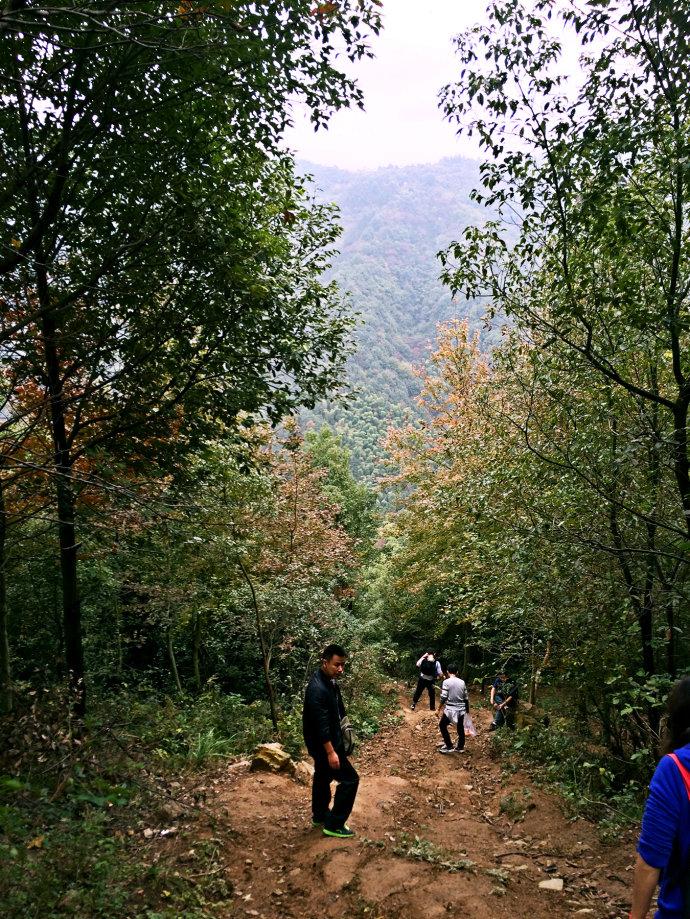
[(5, 662), (537, 672), (71, 602), (173, 662), (196, 645), (265, 659)]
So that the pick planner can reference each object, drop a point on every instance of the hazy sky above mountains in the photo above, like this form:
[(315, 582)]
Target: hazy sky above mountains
[(402, 123)]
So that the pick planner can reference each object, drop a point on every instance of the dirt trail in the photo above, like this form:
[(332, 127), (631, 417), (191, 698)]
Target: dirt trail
[(280, 867)]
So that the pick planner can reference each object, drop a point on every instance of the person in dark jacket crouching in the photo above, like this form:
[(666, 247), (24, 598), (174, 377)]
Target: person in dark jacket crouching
[(321, 720)]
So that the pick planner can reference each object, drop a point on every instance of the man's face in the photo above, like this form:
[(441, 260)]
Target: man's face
[(334, 667)]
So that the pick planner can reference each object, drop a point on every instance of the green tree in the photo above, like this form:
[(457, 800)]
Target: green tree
[(598, 273), (159, 267)]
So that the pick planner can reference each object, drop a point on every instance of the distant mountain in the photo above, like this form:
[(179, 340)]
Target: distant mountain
[(395, 221)]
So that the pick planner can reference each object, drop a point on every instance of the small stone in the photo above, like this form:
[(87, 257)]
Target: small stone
[(552, 884)]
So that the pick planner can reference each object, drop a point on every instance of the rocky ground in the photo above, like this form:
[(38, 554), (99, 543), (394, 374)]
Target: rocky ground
[(436, 836)]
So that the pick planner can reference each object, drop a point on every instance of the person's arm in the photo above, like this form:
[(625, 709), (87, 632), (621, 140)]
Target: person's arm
[(644, 884), (333, 758), (493, 693), (439, 669), (467, 698), (419, 662), (660, 822), (442, 700)]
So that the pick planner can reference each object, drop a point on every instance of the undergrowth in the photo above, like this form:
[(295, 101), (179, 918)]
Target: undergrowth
[(108, 819), (592, 782)]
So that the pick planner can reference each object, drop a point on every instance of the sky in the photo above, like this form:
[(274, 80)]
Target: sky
[(401, 124)]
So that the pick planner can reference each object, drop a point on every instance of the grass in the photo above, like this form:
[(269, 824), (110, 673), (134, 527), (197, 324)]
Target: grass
[(516, 804), (421, 850)]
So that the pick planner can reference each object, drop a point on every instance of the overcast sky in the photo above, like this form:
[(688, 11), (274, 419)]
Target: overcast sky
[(402, 123)]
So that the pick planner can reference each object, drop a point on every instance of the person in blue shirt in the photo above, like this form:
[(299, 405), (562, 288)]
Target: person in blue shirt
[(663, 851), (504, 700)]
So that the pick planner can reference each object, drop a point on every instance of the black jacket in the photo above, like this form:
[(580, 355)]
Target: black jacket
[(323, 709)]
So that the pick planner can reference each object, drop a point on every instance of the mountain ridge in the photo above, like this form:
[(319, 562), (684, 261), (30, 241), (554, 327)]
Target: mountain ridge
[(395, 221)]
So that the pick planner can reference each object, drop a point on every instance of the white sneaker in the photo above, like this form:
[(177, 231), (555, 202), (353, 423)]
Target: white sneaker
[(445, 749)]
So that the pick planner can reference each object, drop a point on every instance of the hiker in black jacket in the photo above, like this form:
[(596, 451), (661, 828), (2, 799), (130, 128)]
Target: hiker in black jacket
[(429, 669), (321, 723)]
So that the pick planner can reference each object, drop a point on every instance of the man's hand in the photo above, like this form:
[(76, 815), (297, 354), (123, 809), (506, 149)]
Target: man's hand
[(333, 760)]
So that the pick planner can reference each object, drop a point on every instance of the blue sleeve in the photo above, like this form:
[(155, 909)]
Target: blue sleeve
[(662, 814)]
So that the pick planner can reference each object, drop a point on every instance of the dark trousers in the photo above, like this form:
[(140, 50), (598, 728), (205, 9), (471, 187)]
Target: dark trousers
[(423, 684), (345, 794), (445, 733)]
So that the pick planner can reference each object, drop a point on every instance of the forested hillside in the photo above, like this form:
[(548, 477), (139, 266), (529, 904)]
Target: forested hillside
[(395, 220)]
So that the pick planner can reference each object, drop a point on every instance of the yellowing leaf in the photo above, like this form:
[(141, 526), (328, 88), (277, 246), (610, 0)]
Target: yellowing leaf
[(36, 842)]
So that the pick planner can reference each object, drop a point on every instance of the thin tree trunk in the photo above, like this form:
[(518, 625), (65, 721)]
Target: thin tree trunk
[(118, 635), (71, 602), (537, 672), (196, 645), (173, 662), (265, 659), (5, 661)]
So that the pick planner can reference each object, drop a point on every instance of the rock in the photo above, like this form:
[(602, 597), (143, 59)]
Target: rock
[(530, 714), (271, 757), (552, 884), (238, 765), (303, 772)]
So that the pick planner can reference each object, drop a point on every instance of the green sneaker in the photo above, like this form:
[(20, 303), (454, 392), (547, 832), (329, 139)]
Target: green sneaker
[(343, 832)]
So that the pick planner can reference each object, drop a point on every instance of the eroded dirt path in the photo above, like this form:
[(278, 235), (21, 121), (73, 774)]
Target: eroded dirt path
[(280, 867)]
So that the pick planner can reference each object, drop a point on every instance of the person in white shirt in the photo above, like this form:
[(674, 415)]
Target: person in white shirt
[(429, 669), (455, 701)]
